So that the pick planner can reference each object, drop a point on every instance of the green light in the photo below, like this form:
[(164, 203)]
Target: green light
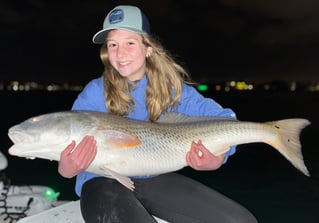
[(202, 87), (50, 194)]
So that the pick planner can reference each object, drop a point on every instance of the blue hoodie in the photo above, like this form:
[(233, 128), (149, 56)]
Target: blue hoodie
[(191, 103)]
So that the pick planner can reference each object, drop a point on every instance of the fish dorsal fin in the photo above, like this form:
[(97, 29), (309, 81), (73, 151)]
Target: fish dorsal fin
[(175, 117), (120, 140)]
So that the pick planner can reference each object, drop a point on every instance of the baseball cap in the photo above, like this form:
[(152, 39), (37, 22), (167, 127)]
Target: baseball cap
[(125, 17)]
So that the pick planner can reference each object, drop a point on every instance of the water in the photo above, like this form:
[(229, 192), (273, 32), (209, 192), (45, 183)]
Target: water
[(257, 176)]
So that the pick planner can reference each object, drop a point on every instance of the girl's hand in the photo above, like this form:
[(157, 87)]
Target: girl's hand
[(199, 158), (74, 160)]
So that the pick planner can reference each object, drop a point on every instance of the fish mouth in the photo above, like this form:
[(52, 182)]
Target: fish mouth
[(19, 137), (15, 150)]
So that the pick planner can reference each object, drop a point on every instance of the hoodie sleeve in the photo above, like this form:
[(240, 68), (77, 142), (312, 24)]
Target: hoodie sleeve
[(92, 97), (194, 104)]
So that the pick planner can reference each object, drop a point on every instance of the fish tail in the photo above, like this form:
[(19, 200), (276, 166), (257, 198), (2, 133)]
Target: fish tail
[(288, 141)]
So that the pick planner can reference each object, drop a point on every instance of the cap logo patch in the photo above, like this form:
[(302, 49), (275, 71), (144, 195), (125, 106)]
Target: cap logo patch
[(116, 16)]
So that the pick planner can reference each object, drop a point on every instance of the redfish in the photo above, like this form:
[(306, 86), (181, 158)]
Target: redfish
[(128, 147)]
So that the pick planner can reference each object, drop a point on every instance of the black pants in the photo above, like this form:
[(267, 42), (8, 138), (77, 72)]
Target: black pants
[(171, 197)]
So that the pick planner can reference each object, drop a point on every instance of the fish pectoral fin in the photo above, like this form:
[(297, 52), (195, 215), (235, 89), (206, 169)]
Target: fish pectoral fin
[(221, 151), (124, 180), (121, 140)]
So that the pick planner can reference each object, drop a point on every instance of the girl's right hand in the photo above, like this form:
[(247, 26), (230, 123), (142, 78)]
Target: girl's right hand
[(74, 160)]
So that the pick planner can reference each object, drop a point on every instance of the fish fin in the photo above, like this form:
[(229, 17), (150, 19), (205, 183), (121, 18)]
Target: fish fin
[(221, 151), (175, 117), (287, 141), (121, 140), (124, 180)]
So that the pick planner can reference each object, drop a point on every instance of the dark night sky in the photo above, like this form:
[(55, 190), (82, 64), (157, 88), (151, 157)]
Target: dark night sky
[(216, 40)]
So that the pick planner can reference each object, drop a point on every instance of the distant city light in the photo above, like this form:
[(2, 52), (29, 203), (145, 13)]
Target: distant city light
[(227, 86), (34, 86), (202, 87)]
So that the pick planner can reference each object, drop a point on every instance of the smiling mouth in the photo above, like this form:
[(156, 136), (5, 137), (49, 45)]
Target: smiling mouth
[(123, 63)]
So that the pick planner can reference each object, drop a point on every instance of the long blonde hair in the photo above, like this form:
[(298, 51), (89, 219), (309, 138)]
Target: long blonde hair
[(165, 78)]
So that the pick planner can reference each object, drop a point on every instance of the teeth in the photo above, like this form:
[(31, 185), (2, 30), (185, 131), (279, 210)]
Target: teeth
[(124, 63)]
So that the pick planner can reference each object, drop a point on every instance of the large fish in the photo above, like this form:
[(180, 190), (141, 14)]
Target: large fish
[(129, 147)]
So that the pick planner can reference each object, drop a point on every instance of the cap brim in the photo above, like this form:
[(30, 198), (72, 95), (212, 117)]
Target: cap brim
[(100, 37)]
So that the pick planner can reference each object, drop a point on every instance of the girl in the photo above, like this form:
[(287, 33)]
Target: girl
[(142, 81)]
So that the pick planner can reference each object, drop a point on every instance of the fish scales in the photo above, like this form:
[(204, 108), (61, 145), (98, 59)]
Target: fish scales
[(128, 147)]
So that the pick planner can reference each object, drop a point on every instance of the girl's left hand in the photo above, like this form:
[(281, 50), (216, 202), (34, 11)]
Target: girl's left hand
[(199, 158)]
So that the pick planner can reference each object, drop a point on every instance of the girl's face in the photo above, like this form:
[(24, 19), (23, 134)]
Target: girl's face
[(127, 53)]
